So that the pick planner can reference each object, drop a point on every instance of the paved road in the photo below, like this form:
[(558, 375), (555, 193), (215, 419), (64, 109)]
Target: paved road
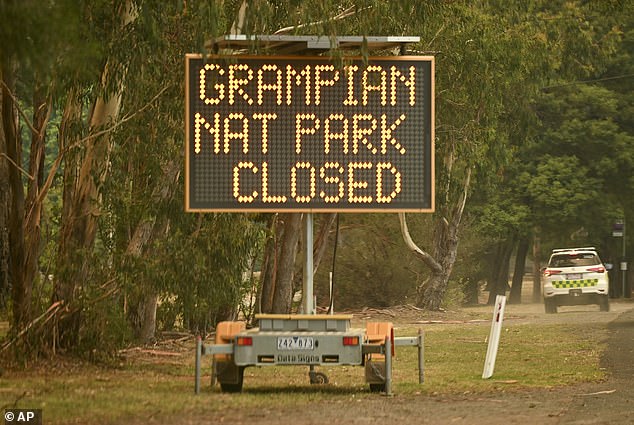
[(613, 401)]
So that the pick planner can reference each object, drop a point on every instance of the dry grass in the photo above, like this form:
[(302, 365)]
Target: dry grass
[(149, 385)]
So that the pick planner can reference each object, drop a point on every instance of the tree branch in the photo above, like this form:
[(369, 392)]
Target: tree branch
[(17, 106), (22, 170), (346, 13), (426, 257), (457, 217), (50, 312)]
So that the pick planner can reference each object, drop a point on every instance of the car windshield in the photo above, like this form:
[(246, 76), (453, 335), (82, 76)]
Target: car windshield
[(574, 260)]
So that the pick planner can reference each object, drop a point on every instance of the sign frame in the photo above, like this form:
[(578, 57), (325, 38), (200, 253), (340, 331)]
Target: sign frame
[(428, 167)]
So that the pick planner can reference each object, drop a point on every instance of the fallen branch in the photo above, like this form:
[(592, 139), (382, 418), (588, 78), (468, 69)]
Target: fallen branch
[(598, 393), (161, 353), (58, 309), (148, 351), (50, 312)]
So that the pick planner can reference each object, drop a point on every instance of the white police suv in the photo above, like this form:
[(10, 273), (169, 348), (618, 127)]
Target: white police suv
[(575, 276)]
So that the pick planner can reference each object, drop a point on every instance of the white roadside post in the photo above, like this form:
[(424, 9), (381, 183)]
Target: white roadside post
[(494, 336)]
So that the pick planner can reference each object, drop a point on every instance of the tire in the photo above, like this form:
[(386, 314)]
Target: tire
[(377, 388), (604, 303), (233, 387), (549, 306), (318, 378)]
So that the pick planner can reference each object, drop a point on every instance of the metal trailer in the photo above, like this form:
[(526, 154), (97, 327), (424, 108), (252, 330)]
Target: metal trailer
[(305, 339)]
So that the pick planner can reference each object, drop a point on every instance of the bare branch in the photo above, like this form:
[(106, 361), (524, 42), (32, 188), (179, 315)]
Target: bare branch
[(346, 13), (60, 308), (426, 257), (17, 106), (22, 170), (50, 312)]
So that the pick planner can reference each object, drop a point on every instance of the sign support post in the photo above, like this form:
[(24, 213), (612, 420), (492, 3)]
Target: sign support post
[(307, 289)]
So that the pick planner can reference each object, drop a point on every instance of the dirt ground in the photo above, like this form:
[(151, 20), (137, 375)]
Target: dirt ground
[(608, 402)]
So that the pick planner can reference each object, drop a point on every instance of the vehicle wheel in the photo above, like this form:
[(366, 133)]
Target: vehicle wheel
[(604, 303), (233, 387), (318, 378), (377, 388), (549, 306)]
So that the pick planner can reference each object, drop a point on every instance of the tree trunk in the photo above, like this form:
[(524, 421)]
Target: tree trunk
[(33, 206), (142, 311), (319, 248), (515, 297), (269, 267), (432, 291), (283, 291), (64, 287), (321, 241), (82, 176), (537, 272), (20, 288), (4, 222), (500, 270), (7, 136)]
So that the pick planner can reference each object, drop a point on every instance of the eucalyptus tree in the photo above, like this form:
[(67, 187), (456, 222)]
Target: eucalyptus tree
[(578, 40), (583, 111), (40, 45), (486, 64), (146, 223), (89, 51)]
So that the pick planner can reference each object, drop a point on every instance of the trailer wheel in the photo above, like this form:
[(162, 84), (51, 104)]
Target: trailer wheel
[(233, 387), (317, 378), (377, 388)]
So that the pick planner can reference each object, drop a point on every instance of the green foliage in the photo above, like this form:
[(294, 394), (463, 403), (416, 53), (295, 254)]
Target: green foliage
[(201, 269), (561, 188), (566, 171)]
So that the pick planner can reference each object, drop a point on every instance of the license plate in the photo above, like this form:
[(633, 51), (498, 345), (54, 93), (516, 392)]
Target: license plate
[(573, 276), (295, 343)]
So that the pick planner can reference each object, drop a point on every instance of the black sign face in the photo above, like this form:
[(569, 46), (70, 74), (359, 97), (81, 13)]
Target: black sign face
[(272, 133)]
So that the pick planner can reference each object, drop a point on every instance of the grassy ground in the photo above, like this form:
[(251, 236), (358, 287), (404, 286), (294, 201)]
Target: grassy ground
[(150, 384)]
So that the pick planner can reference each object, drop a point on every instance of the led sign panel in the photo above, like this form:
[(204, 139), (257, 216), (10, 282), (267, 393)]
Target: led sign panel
[(271, 133)]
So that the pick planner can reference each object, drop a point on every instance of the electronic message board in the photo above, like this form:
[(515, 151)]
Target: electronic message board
[(272, 133)]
